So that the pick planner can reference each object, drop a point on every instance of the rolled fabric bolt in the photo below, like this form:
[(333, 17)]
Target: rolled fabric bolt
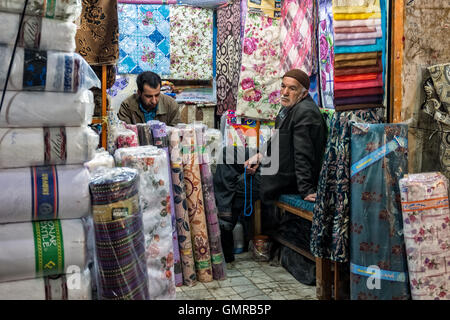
[(46, 109), (119, 237), (23, 147), (161, 140), (152, 165), (66, 10), (181, 213), (38, 33), (44, 193), (39, 70), (74, 286), (22, 254)]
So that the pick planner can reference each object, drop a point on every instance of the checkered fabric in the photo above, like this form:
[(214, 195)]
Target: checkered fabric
[(296, 35), (144, 38)]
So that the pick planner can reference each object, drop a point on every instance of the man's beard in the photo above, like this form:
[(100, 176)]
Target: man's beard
[(145, 106)]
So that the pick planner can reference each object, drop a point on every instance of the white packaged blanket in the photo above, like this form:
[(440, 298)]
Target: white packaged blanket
[(24, 147), (67, 10), (35, 249), (44, 193), (46, 109), (37, 70), (38, 33), (76, 286)]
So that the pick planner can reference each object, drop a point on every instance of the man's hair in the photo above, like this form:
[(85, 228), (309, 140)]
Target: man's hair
[(150, 78)]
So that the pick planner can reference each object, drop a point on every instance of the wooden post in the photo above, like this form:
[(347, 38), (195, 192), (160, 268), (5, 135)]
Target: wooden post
[(323, 279), (397, 27)]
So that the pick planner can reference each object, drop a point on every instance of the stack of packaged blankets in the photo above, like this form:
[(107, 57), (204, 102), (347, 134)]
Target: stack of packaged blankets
[(360, 48), (44, 141)]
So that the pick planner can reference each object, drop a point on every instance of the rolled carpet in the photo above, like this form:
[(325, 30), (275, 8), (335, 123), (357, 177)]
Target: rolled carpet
[(35, 249)]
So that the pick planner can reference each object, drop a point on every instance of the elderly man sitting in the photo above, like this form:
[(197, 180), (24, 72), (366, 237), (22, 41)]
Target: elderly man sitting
[(301, 144)]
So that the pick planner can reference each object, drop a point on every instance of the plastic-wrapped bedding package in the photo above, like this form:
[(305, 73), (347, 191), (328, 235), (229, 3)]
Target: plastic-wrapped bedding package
[(43, 248), (161, 140), (67, 10), (37, 70), (426, 227), (378, 263), (102, 158), (154, 199), (46, 109), (119, 236), (126, 138), (73, 286), (181, 213), (44, 193), (217, 258), (195, 204), (38, 33), (23, 147)]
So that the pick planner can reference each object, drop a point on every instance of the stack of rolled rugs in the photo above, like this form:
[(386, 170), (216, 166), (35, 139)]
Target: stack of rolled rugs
[(119, 235), (44, 141), (201, 207), (360, 36)]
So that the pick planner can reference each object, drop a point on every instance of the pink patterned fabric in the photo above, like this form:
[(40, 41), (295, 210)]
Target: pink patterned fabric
[(297, 18), (426, 227)]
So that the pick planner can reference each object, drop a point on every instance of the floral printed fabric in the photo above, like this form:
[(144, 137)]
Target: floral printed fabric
[(181, 208), (259, 85), (124, 87), (426, 227), (228, 56), (196, 208), (376, 219), (97, 38), (191, 43), (331, 215), (211, 212), (297, 22), (161, 140), (326, 53), (154, 200), (144, 40)]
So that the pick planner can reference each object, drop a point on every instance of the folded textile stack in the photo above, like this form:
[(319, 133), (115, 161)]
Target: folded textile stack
[(154, 200), (119, 234), (360, 49), (426, 219), (44, 141)]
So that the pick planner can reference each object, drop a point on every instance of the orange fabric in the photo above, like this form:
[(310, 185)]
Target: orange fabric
[(356, 77)]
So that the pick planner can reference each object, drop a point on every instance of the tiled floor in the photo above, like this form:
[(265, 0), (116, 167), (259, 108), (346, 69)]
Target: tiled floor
[(250, 280)]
